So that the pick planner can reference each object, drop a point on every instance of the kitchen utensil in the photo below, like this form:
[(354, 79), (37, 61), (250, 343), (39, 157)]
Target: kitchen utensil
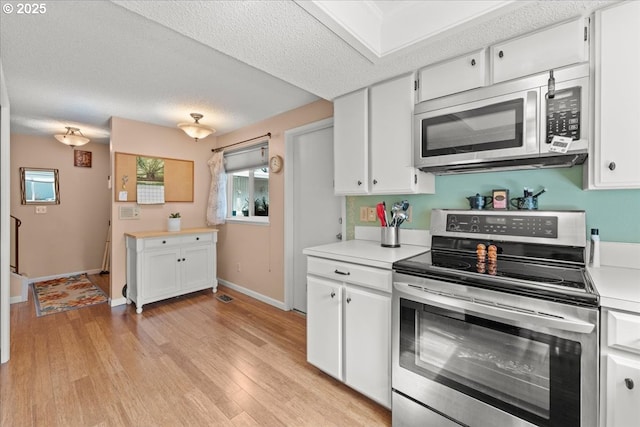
[(399, 219), (478, 201), (381, 214)]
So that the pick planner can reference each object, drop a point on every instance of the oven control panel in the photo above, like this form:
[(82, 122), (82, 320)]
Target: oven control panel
[(512, 225)]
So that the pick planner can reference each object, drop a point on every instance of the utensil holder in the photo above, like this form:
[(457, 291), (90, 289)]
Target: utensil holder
[(390, 237)]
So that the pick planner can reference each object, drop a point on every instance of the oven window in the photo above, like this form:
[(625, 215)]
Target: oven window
[(531, 375), (492, 127)]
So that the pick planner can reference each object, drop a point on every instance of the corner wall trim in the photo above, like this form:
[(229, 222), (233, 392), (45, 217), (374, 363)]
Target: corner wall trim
[(253, 294)]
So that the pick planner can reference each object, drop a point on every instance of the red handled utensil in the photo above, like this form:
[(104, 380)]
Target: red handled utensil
[(381, 214)]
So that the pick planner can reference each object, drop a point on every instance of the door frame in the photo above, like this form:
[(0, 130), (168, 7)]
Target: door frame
[(289, 205)]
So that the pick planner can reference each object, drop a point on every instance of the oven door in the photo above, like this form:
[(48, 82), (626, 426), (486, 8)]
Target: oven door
[(498, 128), (484, 358)]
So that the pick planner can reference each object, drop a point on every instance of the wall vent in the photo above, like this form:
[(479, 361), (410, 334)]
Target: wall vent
[(129, 212)]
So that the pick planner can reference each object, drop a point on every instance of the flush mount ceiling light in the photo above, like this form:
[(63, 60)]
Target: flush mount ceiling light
[(196, 130), (73, 137)]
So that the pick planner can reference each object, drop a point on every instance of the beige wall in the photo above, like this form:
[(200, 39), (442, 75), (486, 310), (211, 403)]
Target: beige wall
[(128, 136), (259, 249), (71, 236)]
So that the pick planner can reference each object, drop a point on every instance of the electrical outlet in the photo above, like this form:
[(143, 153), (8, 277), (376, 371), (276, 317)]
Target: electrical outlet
[(363, 214), (41, 209), (371, 214)]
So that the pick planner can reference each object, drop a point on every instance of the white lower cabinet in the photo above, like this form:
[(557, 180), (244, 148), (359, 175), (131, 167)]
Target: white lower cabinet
[(620, 381), (163, 265), (349, 325)]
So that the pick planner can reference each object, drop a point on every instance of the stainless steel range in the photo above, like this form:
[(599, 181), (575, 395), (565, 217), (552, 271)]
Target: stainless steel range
[(498, 324)]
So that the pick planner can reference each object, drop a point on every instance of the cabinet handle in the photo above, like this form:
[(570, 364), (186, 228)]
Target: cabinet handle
[(375, 181), (333, 294), (612, 166), (359, 182), (197, 238), (348, 273), (184, 259), (473, 62), (348, 300), (629, 383), (164, 241), (178, 259), (501, 54)]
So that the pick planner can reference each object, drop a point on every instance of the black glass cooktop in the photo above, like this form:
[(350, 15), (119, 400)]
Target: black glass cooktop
[(551, 273), (570, 277)]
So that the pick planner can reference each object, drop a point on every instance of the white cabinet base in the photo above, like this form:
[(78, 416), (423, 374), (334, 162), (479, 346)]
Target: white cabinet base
[(163, 265)]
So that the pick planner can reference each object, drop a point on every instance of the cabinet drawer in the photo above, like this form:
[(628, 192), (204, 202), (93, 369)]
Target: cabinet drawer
[(197, 238), (361, 275), (623, 331), (162, 242)]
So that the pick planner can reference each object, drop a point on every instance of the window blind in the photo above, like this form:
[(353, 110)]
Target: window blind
[(247, 158)]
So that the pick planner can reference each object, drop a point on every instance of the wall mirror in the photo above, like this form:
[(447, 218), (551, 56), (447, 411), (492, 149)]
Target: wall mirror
[(39, 186)]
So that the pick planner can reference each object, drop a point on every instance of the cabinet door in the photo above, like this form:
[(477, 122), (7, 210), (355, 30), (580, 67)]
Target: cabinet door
[(368, 343), (351, 143), (554, 47), (616, 152), (324, 325), (161, 274), (623, 391), (197, 267), (456, 75), (391, 114)]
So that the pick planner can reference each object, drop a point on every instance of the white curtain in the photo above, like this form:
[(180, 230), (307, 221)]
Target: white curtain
[(217, 206)]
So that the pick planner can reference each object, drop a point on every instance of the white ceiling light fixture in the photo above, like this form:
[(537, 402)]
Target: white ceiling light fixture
[(196, 130), (73, 137)]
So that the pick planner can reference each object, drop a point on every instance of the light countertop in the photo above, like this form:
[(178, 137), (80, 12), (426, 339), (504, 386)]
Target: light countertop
[(365, 252), (619, 287), (147, 234)]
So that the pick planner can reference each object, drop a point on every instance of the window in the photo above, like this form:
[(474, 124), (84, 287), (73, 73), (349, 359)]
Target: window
[(248, 183)]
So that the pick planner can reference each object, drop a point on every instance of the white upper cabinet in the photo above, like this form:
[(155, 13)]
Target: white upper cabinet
[(351, 143), (453, 76), (373, 141), (615, 153), (551, 48)]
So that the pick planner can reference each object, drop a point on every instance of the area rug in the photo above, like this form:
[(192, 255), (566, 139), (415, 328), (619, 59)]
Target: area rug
[(66, 293)]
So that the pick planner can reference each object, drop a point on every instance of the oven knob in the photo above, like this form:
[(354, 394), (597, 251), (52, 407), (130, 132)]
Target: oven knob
[(453, 227), (475, 228)]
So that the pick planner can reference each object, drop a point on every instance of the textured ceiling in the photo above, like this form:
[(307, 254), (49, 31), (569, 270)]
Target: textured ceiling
[(237, 62)]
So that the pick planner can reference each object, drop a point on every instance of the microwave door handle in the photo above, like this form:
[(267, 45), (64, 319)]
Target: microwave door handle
[(531, 122), (498, 312)]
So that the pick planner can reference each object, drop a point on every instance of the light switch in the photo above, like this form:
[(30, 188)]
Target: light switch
[(363, 214), (41, 209)]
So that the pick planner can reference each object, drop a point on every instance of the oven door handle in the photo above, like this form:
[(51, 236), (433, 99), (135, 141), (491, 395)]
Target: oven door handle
[(496, 311)]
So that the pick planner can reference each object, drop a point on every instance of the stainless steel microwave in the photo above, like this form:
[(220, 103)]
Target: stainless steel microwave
[(510, 125)]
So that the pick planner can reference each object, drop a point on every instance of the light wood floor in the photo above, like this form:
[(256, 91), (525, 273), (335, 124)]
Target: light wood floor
[(190, 361)]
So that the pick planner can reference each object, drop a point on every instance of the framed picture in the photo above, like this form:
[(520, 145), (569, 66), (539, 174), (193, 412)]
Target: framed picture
[(82, 158)]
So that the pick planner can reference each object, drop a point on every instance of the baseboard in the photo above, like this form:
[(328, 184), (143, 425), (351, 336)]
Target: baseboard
[(253, 294), (15, 300), (118, 301), (57, 276)]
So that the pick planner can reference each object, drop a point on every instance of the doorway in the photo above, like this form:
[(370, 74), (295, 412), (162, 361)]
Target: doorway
[(313, 214)]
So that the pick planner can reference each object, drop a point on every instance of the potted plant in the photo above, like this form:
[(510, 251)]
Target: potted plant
[(173, 223), (261, 207)]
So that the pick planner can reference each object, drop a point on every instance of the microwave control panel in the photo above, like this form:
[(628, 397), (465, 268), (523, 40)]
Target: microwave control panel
[(529, 226), (563, 114)]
